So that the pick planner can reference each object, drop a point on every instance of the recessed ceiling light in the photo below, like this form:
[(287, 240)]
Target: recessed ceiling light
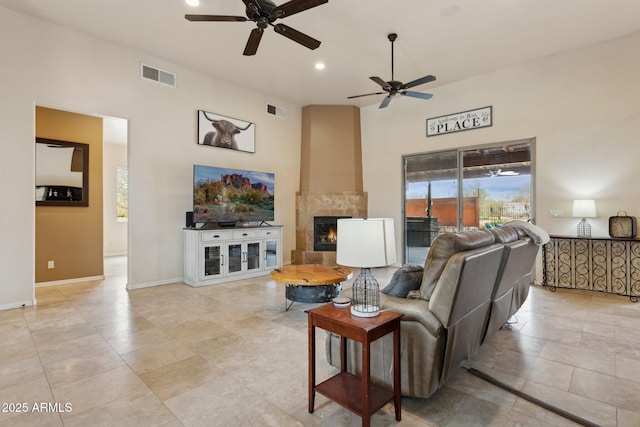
[(192, 3), (449, 11), (319, 66)]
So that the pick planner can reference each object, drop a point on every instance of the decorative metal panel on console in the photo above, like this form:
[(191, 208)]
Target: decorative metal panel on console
[(595, 264)]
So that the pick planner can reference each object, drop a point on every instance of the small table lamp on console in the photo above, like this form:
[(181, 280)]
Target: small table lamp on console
[(584, 209), (365, 243)]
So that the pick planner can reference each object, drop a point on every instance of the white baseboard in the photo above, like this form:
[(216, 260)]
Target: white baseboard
[(68, 281), (114, 254), (156, 283), (18, 304)]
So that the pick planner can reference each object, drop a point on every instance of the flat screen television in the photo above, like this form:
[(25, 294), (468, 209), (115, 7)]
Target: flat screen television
[(226, 196)]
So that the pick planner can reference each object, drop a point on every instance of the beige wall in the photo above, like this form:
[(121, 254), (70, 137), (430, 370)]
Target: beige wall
[(331, 155), (581, 107), (68, 235), (47, 65)]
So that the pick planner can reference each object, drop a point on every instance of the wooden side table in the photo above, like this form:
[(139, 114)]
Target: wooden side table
[(355, 394)]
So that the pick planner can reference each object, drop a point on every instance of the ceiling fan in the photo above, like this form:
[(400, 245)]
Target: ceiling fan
[(265, 13), (499, 172), (393, 87)]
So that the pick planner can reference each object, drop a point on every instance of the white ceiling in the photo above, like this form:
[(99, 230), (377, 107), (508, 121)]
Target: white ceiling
[(451, 39)]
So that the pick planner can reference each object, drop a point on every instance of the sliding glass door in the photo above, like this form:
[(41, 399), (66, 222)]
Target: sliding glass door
[(478, 187), (431, 201)]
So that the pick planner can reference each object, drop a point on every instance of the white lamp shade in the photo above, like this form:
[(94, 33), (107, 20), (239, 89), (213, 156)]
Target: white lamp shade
[(366, 242), (585, 208)]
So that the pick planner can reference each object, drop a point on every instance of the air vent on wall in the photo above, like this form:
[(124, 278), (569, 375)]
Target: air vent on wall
[(274, 110), (157, 75)]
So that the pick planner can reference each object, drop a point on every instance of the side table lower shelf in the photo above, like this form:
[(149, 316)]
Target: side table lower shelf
[(345, 389)]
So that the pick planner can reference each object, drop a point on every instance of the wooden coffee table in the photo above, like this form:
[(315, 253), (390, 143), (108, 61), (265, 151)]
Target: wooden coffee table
[(311, 283)]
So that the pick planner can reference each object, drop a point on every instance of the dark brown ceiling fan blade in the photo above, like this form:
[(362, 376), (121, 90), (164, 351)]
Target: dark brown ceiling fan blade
[(254, 41), (381, 82), (416, 94), (418, 82), (295, 6), (297, 36), (385, 101), (366, 94), (265, 13), (215, 18)]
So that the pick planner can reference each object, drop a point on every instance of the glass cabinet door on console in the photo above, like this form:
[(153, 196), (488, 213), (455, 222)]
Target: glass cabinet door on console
[(252, 256), (234, 255), (213, 262), (271, 254), (243, 257)]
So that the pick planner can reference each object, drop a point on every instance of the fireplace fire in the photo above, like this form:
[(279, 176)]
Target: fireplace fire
[(325, 232)]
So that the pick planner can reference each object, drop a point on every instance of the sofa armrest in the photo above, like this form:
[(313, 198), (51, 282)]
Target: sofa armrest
[(415, 310)]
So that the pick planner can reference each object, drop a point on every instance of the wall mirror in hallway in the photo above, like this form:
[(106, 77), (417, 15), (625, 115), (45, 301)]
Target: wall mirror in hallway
[(463, 189), (62, 173)]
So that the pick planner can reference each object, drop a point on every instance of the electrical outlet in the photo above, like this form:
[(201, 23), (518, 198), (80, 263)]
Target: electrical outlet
[(51, 265)]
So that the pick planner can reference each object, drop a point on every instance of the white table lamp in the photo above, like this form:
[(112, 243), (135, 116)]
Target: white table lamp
[(366, 243)]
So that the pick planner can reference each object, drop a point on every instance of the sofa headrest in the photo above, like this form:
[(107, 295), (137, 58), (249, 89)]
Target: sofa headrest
[(506, 234), (442, 248)]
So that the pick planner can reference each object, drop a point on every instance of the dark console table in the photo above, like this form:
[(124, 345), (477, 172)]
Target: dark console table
[(601, 264)]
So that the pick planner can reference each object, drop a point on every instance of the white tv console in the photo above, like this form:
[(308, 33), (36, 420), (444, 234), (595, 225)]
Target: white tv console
[(219, 255)]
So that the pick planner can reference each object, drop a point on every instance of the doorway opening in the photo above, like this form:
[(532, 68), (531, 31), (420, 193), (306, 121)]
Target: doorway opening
[(116, 198), (73, 243)]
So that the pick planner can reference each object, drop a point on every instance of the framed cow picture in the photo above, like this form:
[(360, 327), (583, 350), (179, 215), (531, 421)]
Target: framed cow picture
[(226, 132)]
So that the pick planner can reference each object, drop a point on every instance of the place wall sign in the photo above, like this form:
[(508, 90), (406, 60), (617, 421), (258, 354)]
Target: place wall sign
[(467, 120)]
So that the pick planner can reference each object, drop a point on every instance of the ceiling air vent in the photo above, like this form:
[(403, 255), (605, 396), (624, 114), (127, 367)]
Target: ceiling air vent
[(157, 75), (274, 110)]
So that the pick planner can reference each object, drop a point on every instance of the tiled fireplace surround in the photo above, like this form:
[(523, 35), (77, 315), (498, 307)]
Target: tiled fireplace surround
[(308, 205)]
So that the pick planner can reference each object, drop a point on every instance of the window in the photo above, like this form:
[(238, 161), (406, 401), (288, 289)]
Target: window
[(477, 187), (122, 194)]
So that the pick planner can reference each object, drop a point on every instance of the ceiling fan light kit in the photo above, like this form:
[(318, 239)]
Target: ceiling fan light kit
[(264, 13), (394, 87)]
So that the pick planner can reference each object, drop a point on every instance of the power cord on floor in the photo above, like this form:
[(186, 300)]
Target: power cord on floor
[(535, 401)]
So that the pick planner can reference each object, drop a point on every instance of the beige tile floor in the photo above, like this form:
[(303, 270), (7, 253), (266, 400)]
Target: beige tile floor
[(230, 355)]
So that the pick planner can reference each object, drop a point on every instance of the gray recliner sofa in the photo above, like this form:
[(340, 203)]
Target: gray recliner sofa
[(514, 277), (461, 300)]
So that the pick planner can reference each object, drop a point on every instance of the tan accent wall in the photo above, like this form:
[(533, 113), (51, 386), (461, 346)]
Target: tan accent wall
[(71, 236), (331, 180), (331, 153)]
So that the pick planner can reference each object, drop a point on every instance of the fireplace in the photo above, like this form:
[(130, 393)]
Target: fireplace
[(310, 207), (325, 232)]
